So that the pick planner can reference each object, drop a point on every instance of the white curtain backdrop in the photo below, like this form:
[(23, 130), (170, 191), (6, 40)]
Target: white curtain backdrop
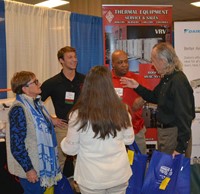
[(33, 37)]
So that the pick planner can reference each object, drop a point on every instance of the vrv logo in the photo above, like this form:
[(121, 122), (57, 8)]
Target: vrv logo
[(160, 31)]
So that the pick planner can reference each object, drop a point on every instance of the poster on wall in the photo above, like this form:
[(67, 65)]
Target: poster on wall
[(189, 53), (135, 30)]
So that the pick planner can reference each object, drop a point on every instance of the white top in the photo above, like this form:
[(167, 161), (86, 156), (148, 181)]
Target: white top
[(100, 163)]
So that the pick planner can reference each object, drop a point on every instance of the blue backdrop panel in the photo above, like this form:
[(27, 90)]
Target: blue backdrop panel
[(87, 38), (3, 74)]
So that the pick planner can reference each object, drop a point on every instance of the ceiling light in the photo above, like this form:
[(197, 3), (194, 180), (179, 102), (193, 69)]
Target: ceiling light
[(52, 3), (197, 4)]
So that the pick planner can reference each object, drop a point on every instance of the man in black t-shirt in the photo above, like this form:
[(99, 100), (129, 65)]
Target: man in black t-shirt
[(64, 89)]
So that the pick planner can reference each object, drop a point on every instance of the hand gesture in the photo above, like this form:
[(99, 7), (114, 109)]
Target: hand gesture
[(129, 83)]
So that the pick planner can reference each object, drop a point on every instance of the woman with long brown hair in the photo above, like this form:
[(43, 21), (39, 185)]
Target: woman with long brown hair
[(99, 128)]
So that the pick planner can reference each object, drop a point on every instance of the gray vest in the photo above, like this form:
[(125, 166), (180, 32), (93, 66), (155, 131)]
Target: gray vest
[(30, 142)]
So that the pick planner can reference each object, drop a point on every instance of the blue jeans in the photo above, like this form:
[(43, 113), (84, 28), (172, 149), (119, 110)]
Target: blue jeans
[(31, 188)]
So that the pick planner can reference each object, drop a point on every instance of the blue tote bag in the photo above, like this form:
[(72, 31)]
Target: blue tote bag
[(138, 164), (167, 175), (63, 187), (183, 185)]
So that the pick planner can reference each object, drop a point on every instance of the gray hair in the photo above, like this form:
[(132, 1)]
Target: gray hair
[(166, 52)]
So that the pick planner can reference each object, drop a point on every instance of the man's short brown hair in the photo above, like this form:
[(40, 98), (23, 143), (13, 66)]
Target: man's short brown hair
[(64, 50)]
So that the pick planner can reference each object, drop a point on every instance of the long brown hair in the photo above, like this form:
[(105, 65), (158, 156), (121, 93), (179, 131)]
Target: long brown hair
[(99, 104)]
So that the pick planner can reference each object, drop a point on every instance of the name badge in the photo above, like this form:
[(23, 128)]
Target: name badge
[(119, 92), (69, 97)]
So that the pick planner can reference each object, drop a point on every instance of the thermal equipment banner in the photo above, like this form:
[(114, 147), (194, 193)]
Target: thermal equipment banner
[(135, 29)]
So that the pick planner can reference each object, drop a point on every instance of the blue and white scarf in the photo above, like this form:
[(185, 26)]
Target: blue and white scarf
[(49, 168)]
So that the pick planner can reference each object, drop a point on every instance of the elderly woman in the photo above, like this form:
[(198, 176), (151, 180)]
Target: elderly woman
[(175, 100), (31, 142)]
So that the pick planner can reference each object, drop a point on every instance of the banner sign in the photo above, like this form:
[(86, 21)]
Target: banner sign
[(135, 30)]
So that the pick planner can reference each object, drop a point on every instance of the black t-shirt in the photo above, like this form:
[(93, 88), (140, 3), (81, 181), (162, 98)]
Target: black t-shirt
[(56, 88)]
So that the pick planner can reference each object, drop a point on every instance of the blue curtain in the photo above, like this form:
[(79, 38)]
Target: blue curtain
[(3, 74), (87, 38)]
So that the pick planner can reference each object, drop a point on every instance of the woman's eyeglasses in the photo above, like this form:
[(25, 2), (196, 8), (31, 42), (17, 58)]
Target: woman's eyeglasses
[(36, 82)]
